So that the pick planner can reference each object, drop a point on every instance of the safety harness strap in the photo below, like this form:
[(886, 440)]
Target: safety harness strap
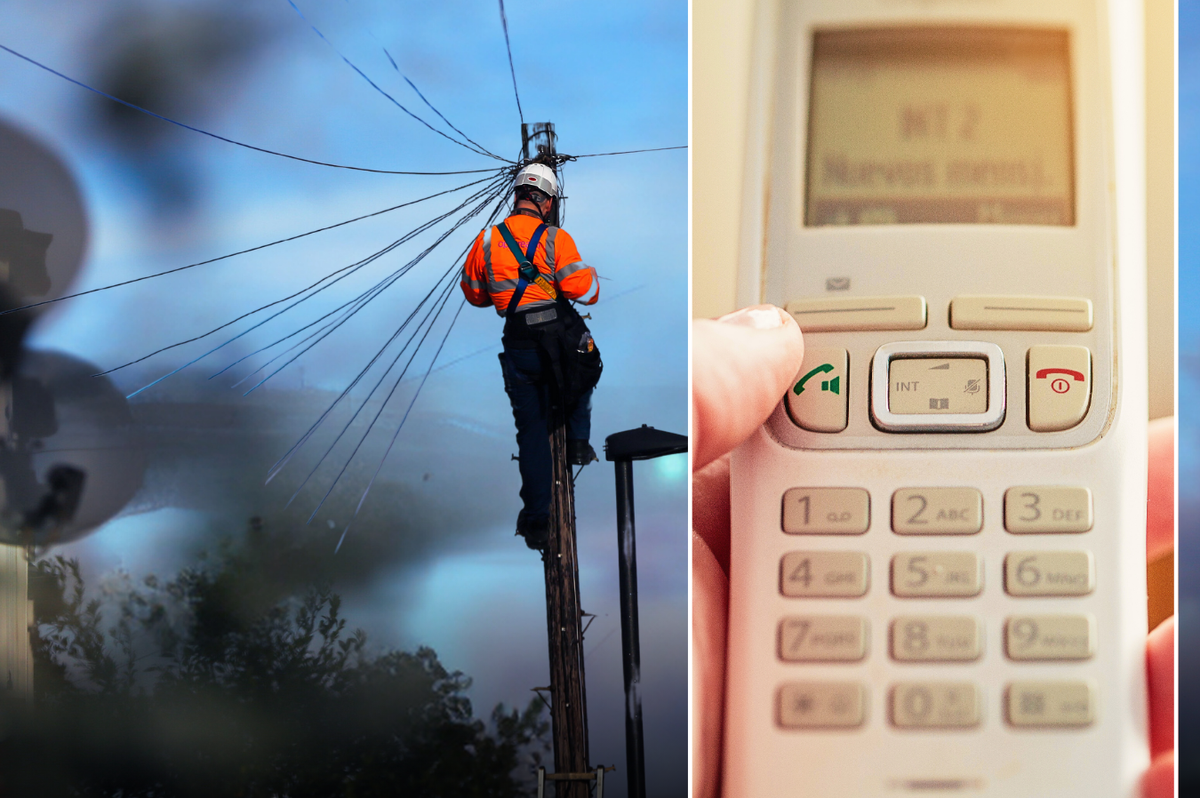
[(529, 273)]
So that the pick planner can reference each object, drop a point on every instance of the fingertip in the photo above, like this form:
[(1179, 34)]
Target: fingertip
[(1160, 666), (709, 608), (1160, 489), (742, 364), (1159, 781)]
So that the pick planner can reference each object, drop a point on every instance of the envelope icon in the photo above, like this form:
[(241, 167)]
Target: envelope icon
[(837, 283)]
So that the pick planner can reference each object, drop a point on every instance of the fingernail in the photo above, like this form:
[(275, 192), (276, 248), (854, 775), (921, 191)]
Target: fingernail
[(761, 317)]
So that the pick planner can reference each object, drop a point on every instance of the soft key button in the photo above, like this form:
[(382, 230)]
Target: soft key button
[(937, 511), (1042, 508), (817, 400), (1060, 386), (859, 313), (1054, 314)]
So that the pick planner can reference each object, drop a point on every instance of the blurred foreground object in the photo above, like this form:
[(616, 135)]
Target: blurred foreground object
[(70, 458), (43, 223)]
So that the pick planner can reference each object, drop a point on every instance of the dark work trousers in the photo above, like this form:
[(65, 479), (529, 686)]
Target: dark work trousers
[(528, 389)]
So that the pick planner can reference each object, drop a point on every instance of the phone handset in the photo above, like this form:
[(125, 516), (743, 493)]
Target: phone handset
[(826, 385)]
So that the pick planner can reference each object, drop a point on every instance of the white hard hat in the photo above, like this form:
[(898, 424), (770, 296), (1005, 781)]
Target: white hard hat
[(538, 176)]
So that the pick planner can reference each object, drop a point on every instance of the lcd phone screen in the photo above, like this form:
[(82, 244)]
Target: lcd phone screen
[(940, 125)]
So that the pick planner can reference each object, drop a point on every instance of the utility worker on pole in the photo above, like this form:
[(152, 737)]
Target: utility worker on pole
[(532, 310)]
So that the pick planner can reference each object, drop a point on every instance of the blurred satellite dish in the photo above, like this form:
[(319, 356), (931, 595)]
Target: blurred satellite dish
[(43, 224), (70, 456)]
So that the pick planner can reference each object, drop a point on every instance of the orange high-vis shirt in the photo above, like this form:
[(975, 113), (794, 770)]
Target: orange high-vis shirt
[(490, 273)]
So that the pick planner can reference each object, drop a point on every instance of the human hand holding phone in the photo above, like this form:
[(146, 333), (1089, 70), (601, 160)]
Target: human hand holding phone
[(742, 364)]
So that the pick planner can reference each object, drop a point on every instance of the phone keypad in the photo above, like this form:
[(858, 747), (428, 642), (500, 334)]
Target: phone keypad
[(952, 640), (942, 574), (936, 638), (825, 574), (1042, 638), (1050, 703), (937, 511), (1049, 573), (935, 705), (1044, 508), (823, 638), (826, 511), (816, 705)]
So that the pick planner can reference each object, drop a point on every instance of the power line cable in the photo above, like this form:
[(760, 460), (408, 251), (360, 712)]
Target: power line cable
[(371, 426), (378, 286), (345, 271), (362, 373), (279, 464), (400, 426), (194, 129), (382, 286), (242, 252), (436, 111), (379, 89), (511, 69), (628, 152)]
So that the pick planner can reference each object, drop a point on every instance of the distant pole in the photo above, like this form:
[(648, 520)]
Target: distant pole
[(631, 649), (538, 140), (622, 449), (564, 615)]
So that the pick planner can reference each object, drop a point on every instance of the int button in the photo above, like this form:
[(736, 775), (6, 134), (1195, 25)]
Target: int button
[(1060, 386), (937, 385)]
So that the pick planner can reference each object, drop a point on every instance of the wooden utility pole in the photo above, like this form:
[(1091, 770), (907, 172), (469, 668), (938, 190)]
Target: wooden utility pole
[(564, 615)]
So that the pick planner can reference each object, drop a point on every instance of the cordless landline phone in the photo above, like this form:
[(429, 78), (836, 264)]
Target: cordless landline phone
[(938, 553)]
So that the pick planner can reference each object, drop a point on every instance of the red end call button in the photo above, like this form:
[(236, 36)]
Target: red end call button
[(1059, 386)]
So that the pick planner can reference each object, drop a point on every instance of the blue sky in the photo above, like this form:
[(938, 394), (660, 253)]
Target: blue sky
[(611, 76), (1189, 241)]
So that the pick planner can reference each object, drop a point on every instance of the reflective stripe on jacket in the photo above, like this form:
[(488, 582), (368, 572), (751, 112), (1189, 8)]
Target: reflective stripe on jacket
[(490, 273)]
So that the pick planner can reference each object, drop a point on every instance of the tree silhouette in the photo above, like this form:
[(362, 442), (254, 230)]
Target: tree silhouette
[(227, 681)]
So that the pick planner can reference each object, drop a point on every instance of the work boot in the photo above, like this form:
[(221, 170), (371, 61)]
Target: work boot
[(536, 531), (580, 452)]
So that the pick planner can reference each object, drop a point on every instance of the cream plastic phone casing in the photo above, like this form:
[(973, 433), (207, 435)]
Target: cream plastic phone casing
[(1100, 257)]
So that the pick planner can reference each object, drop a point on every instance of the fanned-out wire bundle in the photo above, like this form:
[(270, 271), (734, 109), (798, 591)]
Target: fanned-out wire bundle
[(485, 196)]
